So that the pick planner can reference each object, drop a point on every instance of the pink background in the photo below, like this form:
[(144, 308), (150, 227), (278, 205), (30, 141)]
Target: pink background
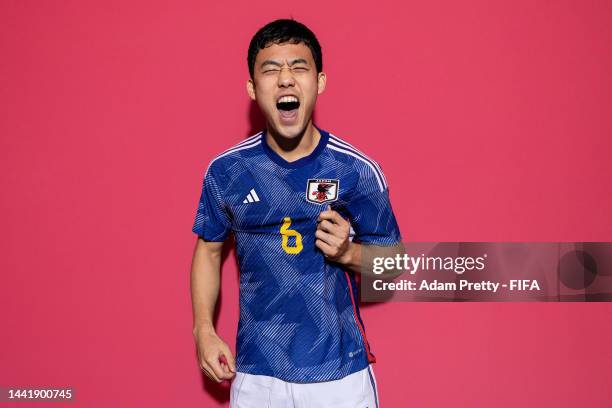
[(491, 121)]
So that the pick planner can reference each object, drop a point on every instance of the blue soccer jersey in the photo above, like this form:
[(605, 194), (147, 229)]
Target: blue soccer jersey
[(299, 314)]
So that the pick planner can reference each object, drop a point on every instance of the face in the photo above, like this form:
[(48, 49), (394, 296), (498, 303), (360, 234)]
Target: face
[(285, 85)]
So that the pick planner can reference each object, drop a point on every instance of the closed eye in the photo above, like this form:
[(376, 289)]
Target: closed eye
[(294, 69)]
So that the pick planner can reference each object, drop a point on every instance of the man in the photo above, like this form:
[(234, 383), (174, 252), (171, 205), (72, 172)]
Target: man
[(290, 195)]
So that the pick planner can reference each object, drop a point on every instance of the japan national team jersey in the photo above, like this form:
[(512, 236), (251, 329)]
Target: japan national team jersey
[(299, 314)]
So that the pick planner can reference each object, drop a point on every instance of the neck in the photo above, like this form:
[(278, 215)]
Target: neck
[(292, 149)]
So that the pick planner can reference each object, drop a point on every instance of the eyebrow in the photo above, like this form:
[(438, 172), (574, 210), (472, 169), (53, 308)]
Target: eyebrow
[(278, 64)]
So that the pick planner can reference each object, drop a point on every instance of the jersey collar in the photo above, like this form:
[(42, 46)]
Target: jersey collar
[(275, 157)]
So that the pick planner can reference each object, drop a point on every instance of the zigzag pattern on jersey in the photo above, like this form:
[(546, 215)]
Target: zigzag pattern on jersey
[(322, 311)]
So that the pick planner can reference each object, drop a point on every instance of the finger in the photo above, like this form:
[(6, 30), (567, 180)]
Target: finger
[(210, 376), (224, 365), (209, 372), (326, 237), (325, 213), (215, 367), (204, 367), (332, 216), (328, 226), (229, 360), (341, 232), (227, 374), (338, 219), (327, 249)]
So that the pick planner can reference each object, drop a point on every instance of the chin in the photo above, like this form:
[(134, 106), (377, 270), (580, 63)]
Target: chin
[(289, 131)]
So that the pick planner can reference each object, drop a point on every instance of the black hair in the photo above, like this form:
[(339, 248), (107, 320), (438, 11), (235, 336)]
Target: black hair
[(284, 31)]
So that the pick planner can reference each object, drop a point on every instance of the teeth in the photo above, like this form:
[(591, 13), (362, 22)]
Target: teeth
[(287, 99)]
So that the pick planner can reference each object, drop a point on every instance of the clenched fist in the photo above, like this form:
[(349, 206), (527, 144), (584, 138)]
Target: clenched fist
[(333, 236)]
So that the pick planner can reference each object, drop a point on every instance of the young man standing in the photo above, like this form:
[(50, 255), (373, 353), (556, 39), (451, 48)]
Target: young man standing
[(290, 195)]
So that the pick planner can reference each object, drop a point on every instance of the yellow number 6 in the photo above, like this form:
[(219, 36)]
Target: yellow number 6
[(286, 233)]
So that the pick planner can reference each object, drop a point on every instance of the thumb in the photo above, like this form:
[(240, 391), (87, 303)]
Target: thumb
[(229, 358)]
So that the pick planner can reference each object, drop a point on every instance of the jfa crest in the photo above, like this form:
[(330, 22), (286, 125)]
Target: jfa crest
[(320, 191)]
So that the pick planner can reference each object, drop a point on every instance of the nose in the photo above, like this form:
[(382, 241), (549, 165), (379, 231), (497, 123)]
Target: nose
[(285, 77)]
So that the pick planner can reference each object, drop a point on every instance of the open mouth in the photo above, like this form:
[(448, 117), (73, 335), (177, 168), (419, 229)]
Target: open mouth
[(288, 108)]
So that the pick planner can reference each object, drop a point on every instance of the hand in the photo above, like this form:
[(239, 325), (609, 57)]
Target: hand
[(214, 356), (333, 236)]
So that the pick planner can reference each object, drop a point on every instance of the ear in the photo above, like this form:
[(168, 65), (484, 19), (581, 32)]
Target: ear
[(251, 89), (322, 80)]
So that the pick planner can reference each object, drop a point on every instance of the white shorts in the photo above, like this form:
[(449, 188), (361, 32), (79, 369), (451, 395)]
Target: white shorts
[(357, 390)]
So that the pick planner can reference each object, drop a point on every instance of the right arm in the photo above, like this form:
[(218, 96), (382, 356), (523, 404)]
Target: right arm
[(205, 282)]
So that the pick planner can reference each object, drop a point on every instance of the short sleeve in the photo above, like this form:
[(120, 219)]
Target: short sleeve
[(212, 221), (369, 209)]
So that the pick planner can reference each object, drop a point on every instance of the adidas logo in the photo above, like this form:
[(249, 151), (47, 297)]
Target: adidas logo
[(251, 197)]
